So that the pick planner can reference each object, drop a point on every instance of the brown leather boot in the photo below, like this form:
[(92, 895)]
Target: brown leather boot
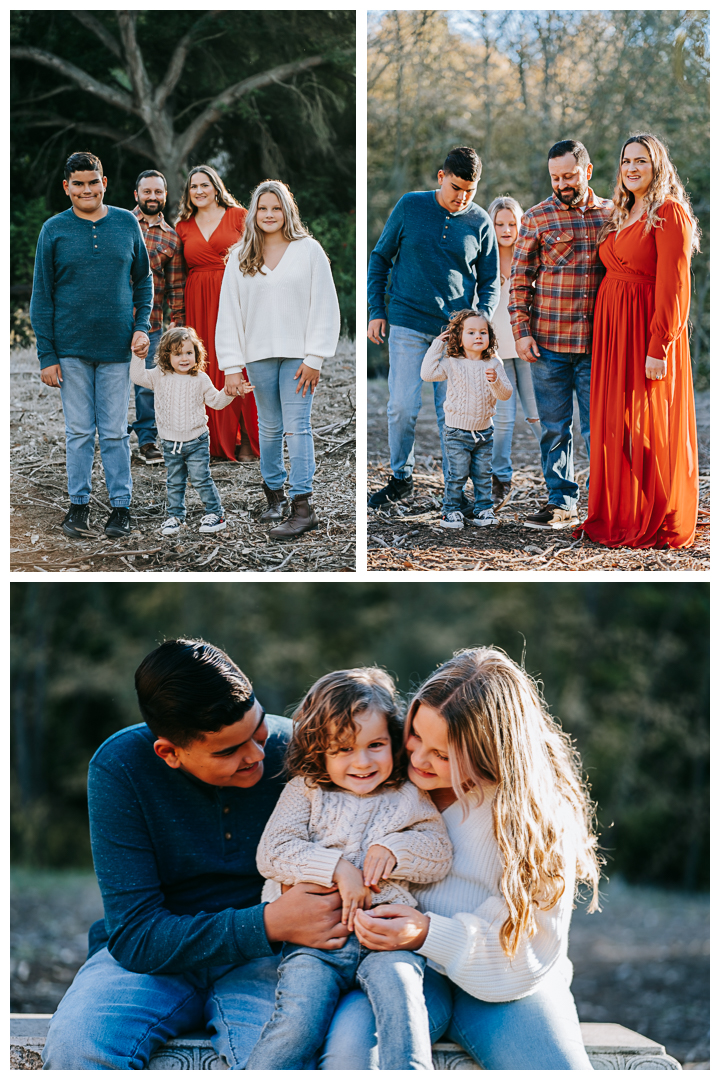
[(278, 504), (302, 519)]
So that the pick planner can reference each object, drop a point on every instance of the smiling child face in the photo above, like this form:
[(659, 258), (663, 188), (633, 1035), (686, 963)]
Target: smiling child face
[(365, 759), (184, 361)]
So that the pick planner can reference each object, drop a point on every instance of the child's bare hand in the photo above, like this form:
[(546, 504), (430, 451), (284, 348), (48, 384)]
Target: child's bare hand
[(379, 863), (236, 385), (352, 890), (491, 374), (445, 335)]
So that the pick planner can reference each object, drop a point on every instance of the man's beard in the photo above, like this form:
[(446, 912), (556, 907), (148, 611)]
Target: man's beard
[(578, 194), (146, 210)]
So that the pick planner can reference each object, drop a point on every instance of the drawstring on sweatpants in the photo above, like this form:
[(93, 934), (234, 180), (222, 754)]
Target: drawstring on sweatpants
[(177, 447)]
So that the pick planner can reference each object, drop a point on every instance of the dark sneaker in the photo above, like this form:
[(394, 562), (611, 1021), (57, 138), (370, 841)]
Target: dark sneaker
[(500, 488), (552, 517), (393, 491), (172, 526), (213, 523), (484, 517), (76, 521), (452, 520), (118, 524), (150, 454)]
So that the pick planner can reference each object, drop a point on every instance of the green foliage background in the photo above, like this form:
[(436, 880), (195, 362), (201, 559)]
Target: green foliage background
[(625, 667)]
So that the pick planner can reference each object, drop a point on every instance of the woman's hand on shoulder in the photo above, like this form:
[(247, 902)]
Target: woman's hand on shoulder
[(391, 926)]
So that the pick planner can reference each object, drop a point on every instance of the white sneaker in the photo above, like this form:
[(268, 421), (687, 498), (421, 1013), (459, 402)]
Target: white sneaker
[(213, 523), (172, 526), (452, 520), (485, 517)]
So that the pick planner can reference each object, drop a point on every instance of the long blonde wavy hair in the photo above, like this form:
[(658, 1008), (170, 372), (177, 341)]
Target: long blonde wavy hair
[(250, 247), (666, 184), (500, 733), (187, 208)]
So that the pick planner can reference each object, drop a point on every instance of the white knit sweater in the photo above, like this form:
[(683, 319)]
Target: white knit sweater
[(467, 910), (180, 400), (311, 828), (470, 401), (291, 311)]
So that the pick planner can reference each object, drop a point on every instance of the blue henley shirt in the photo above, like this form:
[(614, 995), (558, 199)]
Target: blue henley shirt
[(175, 857), (88, 277), (442, 262)]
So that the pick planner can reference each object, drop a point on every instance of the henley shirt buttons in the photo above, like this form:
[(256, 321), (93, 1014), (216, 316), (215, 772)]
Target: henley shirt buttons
[(228, 836), (226, 809)]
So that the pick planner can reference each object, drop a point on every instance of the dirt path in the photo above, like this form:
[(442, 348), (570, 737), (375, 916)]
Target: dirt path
[(39, 494), (408, 537)]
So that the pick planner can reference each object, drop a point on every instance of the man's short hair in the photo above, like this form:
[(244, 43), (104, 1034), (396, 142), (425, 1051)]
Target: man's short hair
[(83, 161), (150, 172), (570, 146), (187, 688), (463, 162)]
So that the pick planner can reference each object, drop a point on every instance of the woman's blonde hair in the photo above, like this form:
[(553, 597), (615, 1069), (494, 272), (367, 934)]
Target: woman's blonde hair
[(250, 247), (170, 344), (187, 209), (665, 184), (500, 733), (453, 345)]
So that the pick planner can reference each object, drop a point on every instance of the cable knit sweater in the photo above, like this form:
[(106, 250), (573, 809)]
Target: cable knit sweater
[(311, 828), (291, 311), (180, 400), (470, 401), (467, 910)]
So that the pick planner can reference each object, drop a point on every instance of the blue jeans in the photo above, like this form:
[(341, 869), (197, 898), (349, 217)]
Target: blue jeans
[(111, 1018), (190, 459), (555, 376), (407, 349), (144, 426), (519, 372), (282, 412), (468, 454), (536, 1032), (95, 396), (310, 982)]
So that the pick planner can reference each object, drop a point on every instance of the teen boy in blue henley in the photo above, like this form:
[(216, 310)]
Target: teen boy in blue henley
[(440, 251), (91, 302), (177, 807)]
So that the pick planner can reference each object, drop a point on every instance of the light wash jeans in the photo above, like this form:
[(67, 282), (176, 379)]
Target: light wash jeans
[(111, 1018), (282, 412), (310, 982), (537, 1032), (144, 426), (468, 454), (555, 376), (520, 375), (190, 459), (407, 349), (95, 396)]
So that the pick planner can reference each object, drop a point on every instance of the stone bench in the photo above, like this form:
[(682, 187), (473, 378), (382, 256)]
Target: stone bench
[(609, 1046)]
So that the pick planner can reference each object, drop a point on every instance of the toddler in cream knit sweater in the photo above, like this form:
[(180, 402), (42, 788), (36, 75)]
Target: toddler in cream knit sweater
[(350, 818), (466, 355)]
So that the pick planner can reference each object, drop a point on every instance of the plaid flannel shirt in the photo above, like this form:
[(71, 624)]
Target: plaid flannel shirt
[(556, 273), (164, 248)]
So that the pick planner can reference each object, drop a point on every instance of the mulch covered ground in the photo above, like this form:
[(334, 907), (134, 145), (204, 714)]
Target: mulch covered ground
[(407, 535), (39, 498)]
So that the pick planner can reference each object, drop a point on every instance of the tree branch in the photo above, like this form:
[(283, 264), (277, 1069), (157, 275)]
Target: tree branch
[(133, 142), (109, 94), (177, 61), (91, 23), (134, 59)]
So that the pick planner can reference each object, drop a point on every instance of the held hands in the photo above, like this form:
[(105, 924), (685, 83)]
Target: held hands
[(51, 376), (355, 894), (391, 926), (527, 349), (140, 344), (237, 385), (308, 377), (377, 329), (306, 915), (379, 863), (654, 368)]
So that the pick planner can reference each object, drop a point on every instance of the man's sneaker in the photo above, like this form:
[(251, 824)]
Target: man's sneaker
[(552, 517), (76, 521), (452, 520), (500, 488), (213, 523), (483, 517), (393, 491), (150, 454), (118, 524), (172, 526)]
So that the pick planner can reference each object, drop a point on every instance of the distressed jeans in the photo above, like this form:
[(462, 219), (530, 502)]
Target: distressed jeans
[(144, 425), (555, 376), (283, 414), (519, 372), (407, 349)]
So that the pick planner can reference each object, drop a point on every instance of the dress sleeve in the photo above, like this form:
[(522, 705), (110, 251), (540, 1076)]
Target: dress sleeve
[(229, 329), (673, 240), (285, 852), (433, 366)]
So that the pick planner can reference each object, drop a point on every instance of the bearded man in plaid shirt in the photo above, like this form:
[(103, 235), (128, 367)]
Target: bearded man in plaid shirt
[(164, 249), (556, 274)]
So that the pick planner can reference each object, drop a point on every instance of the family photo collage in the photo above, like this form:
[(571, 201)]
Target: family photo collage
[(409, 308)]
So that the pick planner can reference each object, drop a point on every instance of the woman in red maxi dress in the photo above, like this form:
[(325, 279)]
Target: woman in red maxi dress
[(210, 222), (643, 442)]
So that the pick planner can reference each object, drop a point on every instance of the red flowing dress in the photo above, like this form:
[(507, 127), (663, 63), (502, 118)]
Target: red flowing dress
[(205, 260), (643, 440)]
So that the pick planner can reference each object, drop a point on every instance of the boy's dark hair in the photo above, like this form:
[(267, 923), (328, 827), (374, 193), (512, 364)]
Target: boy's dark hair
[(325, 720), (463, 162), (83, 161), (570, 146), (188, 688), (150, 172), (453, 345)]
